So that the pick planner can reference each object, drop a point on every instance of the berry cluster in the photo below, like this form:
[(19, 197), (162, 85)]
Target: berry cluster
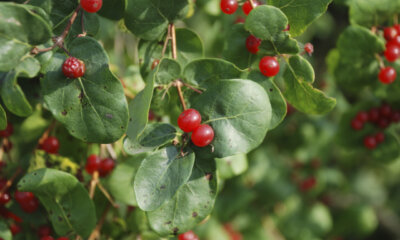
[(381, 117), (102, 166), (190, 235), (190, 121), (388, 74)]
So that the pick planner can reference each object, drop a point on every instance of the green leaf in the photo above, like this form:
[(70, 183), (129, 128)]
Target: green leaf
[(240, 113), (208, 71), (66, 200), (188, 44), (139, 109), (235, 49), (283, 44), (160, 175), (299, 76), (20, 29), (5, 232), (192, 203), (3, 118), (120, 182), (93, 107), (301, 13), (231, 166), (371, 13), (168, 70), (278, 102), (41, 159), (113, 9), (357, 58), (157, 134)]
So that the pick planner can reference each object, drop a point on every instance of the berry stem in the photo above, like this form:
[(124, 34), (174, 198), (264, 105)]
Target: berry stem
[(10, 181), (167, 38), (108, 196), (178, 84), (93, 183), (191, 87), (396, 19), (83, 24), (173, 42), (381, 64), (96, 232), (111, 151), (46, 133), (252, 4)]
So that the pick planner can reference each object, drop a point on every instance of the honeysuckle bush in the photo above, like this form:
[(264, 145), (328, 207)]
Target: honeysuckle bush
[(309, 153)]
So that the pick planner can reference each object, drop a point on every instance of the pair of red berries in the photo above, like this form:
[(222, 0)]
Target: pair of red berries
[(91, 6), (371, 142), (190, 121), (27, 200), (103, 166), (190, 235), (230, 6), (50, 145), (7, 132)]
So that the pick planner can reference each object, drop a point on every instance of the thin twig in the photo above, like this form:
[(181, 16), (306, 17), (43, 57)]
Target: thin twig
[(167, 38), (26, 2), (108, 196), (253, 5), (10, 181), (173, 42), (396, 19), (93, 183), (83, 24), (381, 63), (191, 87), (111, 151), (178, 84), (96, 232)]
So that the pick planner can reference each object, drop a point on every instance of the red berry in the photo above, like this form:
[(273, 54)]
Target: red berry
[(151, 116), (309, 48), (252, 44), (269, 66), (203, 135), (4, 198), (385, 110), (234, 235), (362, 116), (190, 235), (15, 229), (387, 75), (379, 137), (92, 164), (229, 6), (155, 63), (22, 197), (373, 115), (189, 120), (307, 184), (30, 206), (62, 238), (91, 6), (44, 231), (383, 123), (395, 117), (390, 33), (73, 67), (357, 124), (47, 238), (370, 142), (51, 145), (240, 19), (247, 7), (395, 41), (8, 131), (392, 52), (106, 166)]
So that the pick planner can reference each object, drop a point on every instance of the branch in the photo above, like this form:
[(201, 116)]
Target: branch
[(10, 181), (173, 36), (167, 38), (93, 184), (381, 63), (178, 84), (96, 232)]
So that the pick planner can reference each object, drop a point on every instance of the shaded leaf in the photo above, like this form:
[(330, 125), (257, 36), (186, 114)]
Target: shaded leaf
[(3, 118), (370, 13), (113, 9), (5, 232)]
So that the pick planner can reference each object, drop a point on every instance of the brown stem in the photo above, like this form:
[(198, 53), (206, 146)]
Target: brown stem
[(93, 184), (381, 63), (173, 42), (46, 134), (111, 151), (83, 24), (191, 87), (167, 38), (10, 181), (396, 19), (96, 232), (178, 84), (252, 4), (108, 196), (26, 2)]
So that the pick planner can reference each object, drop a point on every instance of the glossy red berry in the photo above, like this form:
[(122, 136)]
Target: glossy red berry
[(395, 41), (189, 120), (379, 137), (362, 116), (229, 6), (252, 44), (44, 231), (47, 238), (92, 164), (269, 66), (387, 75), (30, 206), (370, 142), (73, 68), (357, 124), (390, 33), (4, 198), (91, 6), (106, 166), (15, 229), (21, 197), (373, 114), (392, 52), (308, 184), (247, 7), (190, 235), (203, 135), (8, 131), (50, 145), (309, 48)]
